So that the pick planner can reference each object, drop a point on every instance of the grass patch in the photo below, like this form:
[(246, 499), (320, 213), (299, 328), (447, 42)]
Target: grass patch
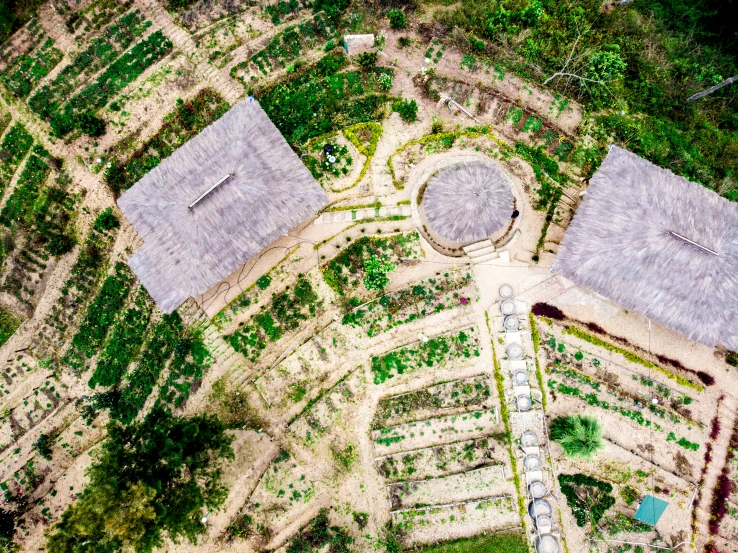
[(508, 542), (9, 323)]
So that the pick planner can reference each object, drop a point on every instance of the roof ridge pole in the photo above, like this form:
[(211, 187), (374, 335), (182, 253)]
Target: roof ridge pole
[(209, 190), (700, 246)]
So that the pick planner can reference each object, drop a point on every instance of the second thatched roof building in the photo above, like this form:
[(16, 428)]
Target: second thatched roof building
[(216, 202)]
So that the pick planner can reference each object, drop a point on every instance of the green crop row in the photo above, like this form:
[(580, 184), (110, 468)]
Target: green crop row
[(435, 351), (284, 313), (18, 209), (124, 343), (186, 121), (99, 318), (154, 358), (101, 53), (28, 69), (191, 359), (630, 356), (13, 149)]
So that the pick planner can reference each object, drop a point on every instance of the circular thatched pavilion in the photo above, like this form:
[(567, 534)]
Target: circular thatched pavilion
[(468, 201)]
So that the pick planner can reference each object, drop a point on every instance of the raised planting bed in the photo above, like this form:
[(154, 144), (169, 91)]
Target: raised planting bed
[(18, 208), (413, 302), (125, 342), (458, 347), (424, 525), (328, 410), (179, 126), (438, 430), (286, 312), (441, 460), (468, 392), (345, 273), (464, 486)]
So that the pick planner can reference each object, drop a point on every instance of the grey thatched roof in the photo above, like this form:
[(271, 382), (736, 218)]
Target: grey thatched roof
[(270, 191), (468, 201), (620, 245)]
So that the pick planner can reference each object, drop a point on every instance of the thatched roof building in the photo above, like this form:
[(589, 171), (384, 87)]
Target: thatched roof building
[(215, 202), (659, 245), (468, 201)]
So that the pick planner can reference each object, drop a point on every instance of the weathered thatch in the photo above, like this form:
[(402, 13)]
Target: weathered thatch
[(269, 191), (468, 201), (621, 245)]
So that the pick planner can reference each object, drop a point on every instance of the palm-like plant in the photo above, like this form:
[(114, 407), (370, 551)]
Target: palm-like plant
[(579, 435)]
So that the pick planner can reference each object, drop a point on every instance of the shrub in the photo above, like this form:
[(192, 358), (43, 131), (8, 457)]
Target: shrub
[(367, 59), (385, 81), (43, 446), (106, 220), (579, 435), (732, 359), (397, 19), (376, 270), (408, 110), (330, 45), (264, 281), (590, 504), (90, 124), (404, 41), (476, 44)]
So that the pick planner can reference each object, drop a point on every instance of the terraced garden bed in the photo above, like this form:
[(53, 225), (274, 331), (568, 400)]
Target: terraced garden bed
[(346, 271), (464, 486), (283, 49), (15, 145), (413, 303), (456, 521), (436, 461), (468, 392), (439, 351), (443, 429)]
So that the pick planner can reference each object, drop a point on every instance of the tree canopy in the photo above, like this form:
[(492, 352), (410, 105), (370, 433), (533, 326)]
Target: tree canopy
[(150, 479)]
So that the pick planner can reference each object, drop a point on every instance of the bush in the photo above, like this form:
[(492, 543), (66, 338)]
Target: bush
[(397, 19), (476, 44), (264, 281), (330, 45), (90, 124), (579, 435), (408, 110), (376, 270), (404, 41), (106, 220), (43, 446), (367, 59)]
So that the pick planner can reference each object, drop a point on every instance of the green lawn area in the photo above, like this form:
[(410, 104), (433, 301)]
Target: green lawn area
[(509, 542)]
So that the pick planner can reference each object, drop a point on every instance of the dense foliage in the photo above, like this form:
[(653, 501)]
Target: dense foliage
[(375, 270), (588, 498), (321, 99), (579, 435), (318, 535), (638, 64), (150, 480)]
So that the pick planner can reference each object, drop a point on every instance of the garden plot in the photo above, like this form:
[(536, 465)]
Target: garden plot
[(280, 319), (346, 272), (444, 429), (413, 302), (35, 408), (284, 49), (283, 492), (474, 484), (606, 490), (26, 70), (436, 461), (324, 414), (456, 349), (426, 525), (440, 399)]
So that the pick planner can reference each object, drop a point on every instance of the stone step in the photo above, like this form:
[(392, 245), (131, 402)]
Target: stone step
[(477, 246), (484, 258), (481, 252)]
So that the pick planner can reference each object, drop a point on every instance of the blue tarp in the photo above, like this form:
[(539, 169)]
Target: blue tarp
[(651, 510)]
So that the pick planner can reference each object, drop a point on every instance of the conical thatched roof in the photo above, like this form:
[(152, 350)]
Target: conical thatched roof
[(468, 201), (622, 245), (187, 249)]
